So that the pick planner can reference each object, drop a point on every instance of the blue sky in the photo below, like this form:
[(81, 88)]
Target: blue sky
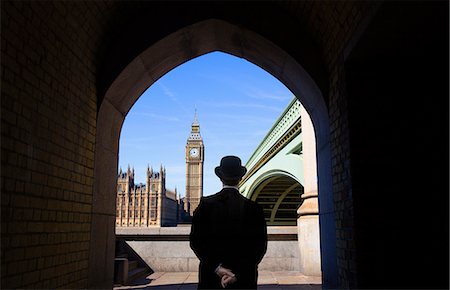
[(237, 103)]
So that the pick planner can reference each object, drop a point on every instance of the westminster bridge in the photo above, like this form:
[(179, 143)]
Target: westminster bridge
[(282, 178)]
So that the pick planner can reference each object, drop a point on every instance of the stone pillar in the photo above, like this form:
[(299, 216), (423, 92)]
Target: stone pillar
[(308, 222)]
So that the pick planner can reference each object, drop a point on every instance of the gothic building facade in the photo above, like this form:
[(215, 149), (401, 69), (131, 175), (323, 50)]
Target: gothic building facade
[(143, 205), (151, 204)]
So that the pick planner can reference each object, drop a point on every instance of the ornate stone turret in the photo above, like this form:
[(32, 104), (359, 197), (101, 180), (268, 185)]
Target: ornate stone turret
[(195, 129), (149, 171), (125, 181)]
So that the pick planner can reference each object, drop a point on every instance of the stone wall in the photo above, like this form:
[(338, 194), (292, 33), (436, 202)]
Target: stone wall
[(53, 62), (335, 27), (59, 58), (176, 256), (55, 59), (48, 117)]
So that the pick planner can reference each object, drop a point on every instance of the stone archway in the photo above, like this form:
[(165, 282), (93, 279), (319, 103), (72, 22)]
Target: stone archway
[(175, 49)]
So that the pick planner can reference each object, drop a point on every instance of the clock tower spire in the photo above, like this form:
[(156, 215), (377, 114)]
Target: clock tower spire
[(195, 150)]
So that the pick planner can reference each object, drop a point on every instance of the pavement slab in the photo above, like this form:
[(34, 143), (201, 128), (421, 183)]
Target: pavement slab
[(280, 280)]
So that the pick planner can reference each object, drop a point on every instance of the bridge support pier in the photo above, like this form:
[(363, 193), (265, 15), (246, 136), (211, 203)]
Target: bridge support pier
[(308, 222), (309, 238)]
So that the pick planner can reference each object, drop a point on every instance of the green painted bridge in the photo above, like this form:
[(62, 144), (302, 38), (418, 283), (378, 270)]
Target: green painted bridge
[(275, 171), (282, 178)]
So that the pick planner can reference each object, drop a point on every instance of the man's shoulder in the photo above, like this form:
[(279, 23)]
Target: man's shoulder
[(249, 204), (223, 195), (210, 198)]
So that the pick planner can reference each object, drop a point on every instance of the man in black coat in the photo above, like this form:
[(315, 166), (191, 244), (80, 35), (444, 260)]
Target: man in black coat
[(228, 233)]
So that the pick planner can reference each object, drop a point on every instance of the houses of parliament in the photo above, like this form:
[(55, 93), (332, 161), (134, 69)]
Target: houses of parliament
[(152, 204)]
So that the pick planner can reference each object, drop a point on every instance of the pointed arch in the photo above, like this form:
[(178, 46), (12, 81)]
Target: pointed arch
[(171, 51)]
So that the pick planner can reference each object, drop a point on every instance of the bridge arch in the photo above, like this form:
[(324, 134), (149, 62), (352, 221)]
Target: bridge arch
[(250, 190), (279, 194), (171, 51)]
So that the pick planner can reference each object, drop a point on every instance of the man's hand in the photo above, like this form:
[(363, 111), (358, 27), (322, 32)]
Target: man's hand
[(226, 275), (227, 280)]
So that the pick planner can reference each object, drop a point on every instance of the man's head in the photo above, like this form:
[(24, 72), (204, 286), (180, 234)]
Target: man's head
[(230, 170)]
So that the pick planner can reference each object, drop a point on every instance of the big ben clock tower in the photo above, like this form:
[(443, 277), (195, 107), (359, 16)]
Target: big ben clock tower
[(195, 152)]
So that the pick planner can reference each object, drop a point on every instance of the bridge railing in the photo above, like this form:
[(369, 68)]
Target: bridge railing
[(288, 118)]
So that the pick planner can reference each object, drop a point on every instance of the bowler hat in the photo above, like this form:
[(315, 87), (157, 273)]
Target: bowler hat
[(230, 168)]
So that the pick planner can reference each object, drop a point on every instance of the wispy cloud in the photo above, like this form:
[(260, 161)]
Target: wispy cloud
[(136, 146), (223, 78), (239, 118), (158, 117), (246, 105), (169, 93), (142, 144), (259, 94), (137, 140), (254, 92)]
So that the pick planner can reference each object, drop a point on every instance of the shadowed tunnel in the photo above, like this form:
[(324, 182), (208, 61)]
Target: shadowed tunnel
[(373, 76)]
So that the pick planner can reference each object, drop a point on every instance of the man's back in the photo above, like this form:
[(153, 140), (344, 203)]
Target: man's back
[(229, 230)]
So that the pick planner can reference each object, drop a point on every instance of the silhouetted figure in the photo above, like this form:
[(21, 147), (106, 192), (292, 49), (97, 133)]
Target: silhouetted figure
[(228, 233)]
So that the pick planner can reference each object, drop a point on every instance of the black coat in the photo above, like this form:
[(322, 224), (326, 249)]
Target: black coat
[(228, 229)]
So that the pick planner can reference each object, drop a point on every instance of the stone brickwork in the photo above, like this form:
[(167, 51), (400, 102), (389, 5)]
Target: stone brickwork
[(48, 117), (333, 25), (51, 66)]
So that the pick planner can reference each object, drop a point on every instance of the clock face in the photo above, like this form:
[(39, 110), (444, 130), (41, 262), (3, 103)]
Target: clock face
[(193, 152)]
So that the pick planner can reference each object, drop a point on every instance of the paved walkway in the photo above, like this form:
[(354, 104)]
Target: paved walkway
[(188, 280)]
